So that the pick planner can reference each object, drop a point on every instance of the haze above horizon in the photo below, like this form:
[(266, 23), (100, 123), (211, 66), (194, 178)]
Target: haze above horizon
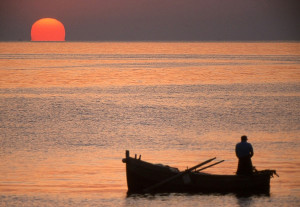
[(156, 20)]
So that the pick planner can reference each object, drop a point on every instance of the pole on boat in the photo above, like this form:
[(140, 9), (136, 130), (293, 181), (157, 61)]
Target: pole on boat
[(210, 166), (149, 189)]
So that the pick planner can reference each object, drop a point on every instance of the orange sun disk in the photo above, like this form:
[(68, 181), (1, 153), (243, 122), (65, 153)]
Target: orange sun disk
[(48, 29)]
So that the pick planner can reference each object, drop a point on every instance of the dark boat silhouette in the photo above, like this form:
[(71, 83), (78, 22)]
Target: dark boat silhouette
[(145, 177)]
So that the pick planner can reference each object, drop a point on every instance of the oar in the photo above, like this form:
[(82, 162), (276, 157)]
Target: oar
[(149, 189), (210, 166)]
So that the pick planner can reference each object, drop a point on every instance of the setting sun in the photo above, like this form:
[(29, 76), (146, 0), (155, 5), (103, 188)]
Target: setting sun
[(47, 29)]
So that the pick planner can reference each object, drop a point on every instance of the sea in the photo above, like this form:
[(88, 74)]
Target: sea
[(69, 110)]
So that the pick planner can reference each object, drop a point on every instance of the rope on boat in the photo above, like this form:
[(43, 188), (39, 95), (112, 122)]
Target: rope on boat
[(270, 173)]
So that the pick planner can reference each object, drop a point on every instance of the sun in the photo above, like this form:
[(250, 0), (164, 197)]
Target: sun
[(48, 29)]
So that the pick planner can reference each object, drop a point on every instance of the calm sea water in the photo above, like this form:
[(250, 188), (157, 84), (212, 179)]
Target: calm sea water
[(68, 112)]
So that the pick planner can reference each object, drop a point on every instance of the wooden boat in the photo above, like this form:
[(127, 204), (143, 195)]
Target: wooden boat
[(145, 177)]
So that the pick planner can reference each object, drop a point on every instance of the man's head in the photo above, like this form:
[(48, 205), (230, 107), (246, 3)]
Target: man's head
[(244, 138)]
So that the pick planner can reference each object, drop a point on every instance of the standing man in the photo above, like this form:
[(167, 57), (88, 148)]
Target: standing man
[(244, 152)]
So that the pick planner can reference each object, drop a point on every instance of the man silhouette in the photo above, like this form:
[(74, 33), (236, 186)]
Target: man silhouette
[(244, 152)]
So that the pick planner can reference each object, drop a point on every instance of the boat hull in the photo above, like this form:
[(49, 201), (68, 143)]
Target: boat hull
[(141, 175)]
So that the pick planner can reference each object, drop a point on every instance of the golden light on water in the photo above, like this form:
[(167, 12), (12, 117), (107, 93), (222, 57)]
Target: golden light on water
[(119, 70)]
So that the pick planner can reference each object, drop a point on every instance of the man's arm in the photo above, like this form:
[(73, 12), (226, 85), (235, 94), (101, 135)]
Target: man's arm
[(251, 151)]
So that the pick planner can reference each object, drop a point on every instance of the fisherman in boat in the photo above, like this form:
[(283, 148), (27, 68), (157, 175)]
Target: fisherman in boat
[(244, 152)]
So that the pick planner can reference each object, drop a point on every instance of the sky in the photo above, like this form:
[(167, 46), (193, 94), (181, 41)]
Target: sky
[(156, 20)]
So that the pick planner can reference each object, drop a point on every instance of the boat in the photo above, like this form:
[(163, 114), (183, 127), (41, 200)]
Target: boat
[(144, 177)]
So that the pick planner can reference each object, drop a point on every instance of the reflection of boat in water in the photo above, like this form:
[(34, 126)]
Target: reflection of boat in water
[(145, 177)]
